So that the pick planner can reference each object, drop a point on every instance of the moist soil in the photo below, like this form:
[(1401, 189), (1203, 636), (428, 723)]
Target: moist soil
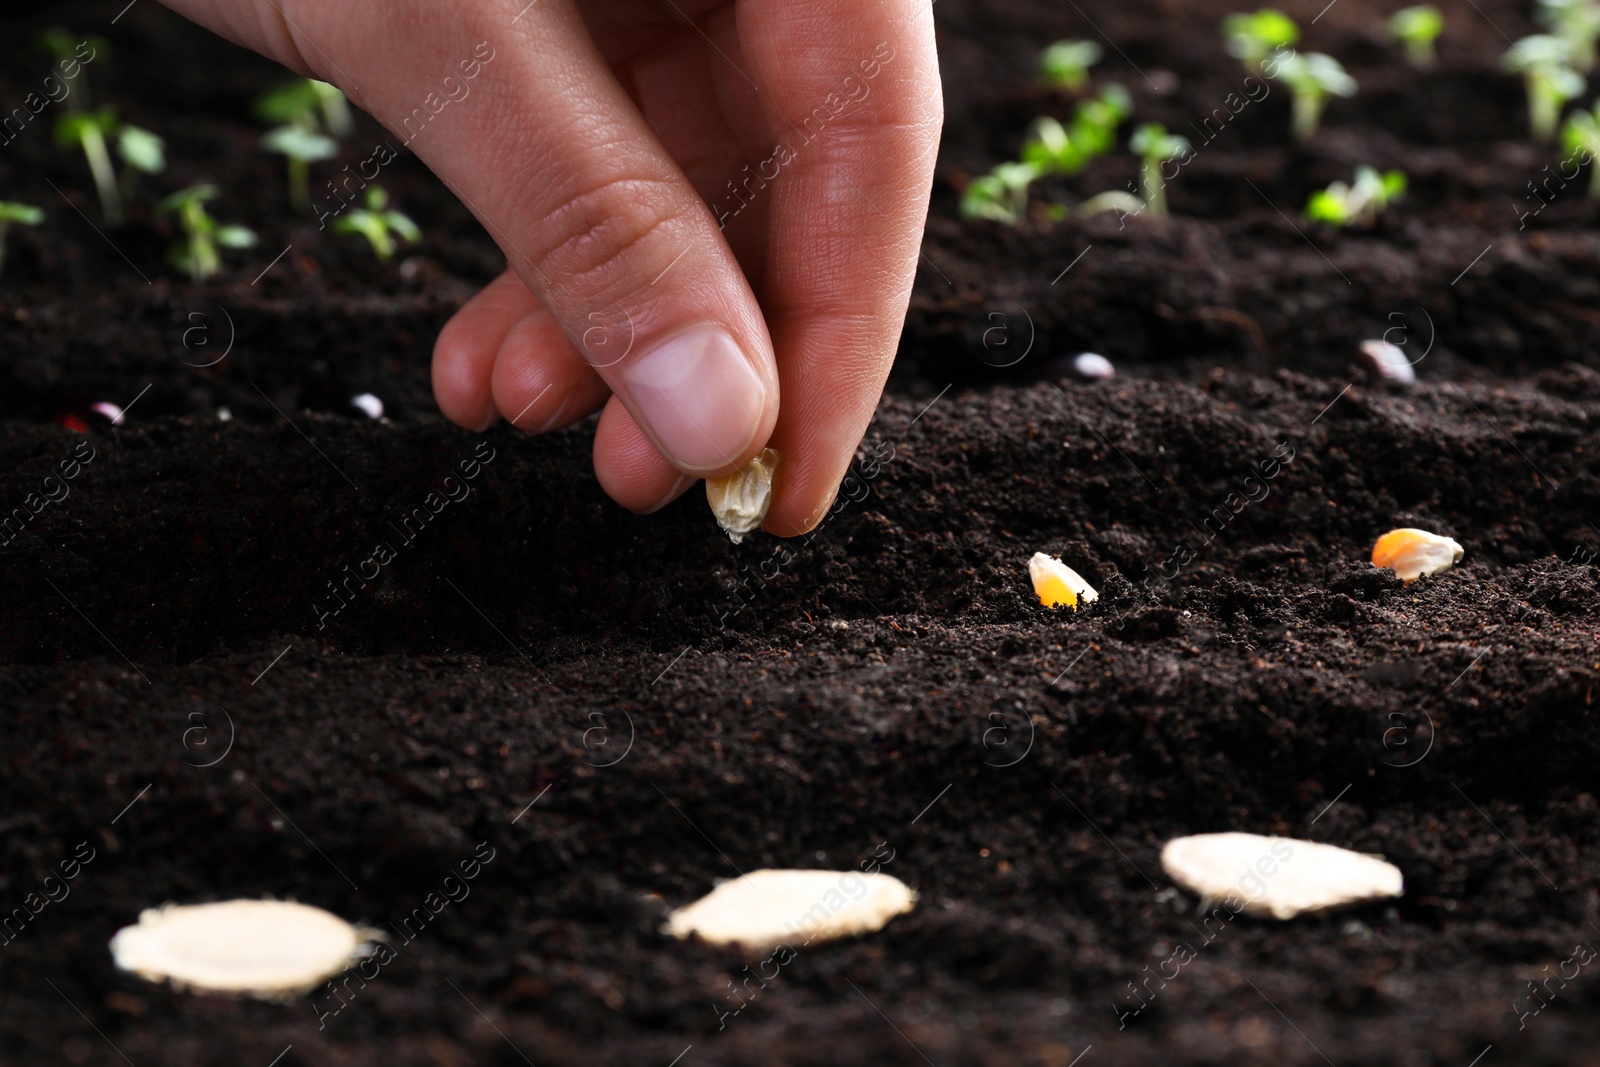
[(620, 711)]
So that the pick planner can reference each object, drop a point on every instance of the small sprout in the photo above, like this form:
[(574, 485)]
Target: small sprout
[(1581, 136), (1545, 63), (1417, 28), (196, 251), (1414, 554), (301, 147), (1313, 78), (66, 48), (1049, 150), (1154, 146), (1124, 204), (89, 131), (1056, 584), (1094, 125), (740, 500), (1065, 64), (18, 214), (142, 152), (1000, 195), (307, 103), (1254, 37), (1358, 204), (376, 223), (1576, 22)]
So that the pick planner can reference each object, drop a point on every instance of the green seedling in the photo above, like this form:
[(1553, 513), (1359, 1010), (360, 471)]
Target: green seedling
[(1313, 78), (1052, 148), (1358, 204), (1578, 23), (91, 131), (1049, 149), (1094, 125), (196, 251), (1254, 37), (301, 147), (1581, 136), (66, 48), (1155, 146), (1065, 64), (377, 223), (1545, 63), (1000, 195), (142, 152), (309, 104), (20, 215), (1417, 28)]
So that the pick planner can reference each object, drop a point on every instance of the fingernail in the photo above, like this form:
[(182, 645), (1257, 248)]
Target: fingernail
[(698, 396), (683, 482)]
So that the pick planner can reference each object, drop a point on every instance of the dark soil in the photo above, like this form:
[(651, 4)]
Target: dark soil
[(675, 708)]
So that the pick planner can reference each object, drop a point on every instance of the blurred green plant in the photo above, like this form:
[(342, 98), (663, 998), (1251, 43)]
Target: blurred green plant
[(1417, 28), (139, 149), (1065, 64), (1576, 22), (196, 250), (1545, 63), (1155, 146), (1255, 36), (62, 45), (1581, 135), (1359, 203), (1052, 148), (307, 103), (301, 147), (13, 214), (1001, 195), (378, 224), (1313, 78)]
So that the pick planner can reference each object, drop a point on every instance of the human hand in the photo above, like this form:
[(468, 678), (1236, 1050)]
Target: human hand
[(594, 138)]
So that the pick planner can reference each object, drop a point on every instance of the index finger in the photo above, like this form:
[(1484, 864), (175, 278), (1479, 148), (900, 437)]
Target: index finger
[(852, 89)]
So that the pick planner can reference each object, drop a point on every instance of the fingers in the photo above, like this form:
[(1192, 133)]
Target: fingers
[(463, 356), (540, 382), (628, 466), (543, 145), (853, 88)]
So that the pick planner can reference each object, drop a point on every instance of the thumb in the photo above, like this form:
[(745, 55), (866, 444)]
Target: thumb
[(544, 146)]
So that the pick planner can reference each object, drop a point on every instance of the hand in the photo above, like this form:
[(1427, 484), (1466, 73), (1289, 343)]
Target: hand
[(699, 218)]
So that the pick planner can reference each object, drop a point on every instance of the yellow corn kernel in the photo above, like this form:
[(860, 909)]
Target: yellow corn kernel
[(1057, 584), (740, 500), (1413, 554)]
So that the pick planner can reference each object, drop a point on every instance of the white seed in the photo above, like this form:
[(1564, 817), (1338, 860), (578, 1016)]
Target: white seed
[(1387, 361), (262, 948), (768, 908), (1056, 583), (1276, 877), (740, 500), (1092, 365), (1414, 554), (369, 404)]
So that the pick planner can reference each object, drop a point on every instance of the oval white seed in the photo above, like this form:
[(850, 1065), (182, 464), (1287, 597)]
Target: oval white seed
[(1056, 583), (1414, 554), (1092, 365), (740, 500), (1276, 877), (261, 948), (768, 908), (1386, 361)]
